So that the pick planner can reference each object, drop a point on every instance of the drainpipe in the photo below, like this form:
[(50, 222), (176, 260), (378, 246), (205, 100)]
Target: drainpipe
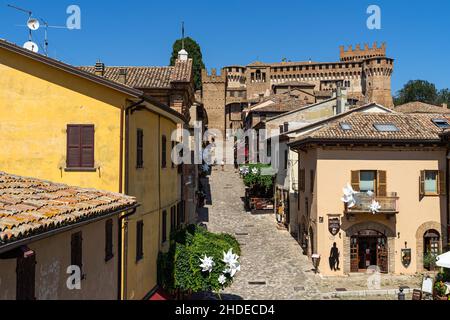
[(124, 257), (448, 196), (124, 177)]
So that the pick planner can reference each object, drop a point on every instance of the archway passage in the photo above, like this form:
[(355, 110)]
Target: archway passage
[(377, 238), (369, 248)]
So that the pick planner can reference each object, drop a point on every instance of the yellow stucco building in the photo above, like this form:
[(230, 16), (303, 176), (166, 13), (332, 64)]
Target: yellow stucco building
[(66, 125)]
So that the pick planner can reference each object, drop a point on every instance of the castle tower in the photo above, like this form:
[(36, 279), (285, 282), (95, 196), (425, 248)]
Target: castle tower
[(376, 80), (214, 98)]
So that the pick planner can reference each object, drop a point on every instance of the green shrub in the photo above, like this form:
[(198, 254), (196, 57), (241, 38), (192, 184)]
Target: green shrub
[(254, 179), (179, 269)]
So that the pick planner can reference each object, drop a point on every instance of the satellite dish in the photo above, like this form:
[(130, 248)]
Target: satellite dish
[(33, 24), (30, 45)]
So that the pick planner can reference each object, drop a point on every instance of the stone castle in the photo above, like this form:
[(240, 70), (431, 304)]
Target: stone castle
[(365, 73)]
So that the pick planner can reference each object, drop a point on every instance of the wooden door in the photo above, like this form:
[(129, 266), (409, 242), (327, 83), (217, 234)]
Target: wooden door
[(382, 256), (26, 268), (354, 255)]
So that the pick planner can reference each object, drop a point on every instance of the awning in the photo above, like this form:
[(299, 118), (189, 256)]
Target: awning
[(160, 295), (443, 260)]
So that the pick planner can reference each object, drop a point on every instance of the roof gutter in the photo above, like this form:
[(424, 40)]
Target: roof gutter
[(310, 140), (13, 245)]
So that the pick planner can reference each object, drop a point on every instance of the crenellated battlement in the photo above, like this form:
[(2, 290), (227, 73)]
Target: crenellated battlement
[(213, 77), (358, 53)]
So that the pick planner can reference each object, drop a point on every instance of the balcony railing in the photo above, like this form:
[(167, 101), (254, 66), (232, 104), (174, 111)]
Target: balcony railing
[(388, 204)]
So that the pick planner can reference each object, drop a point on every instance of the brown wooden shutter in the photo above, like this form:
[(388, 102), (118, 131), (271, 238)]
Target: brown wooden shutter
[(172, 219), (302, 180), (422, 183), (26, 272), (139, 240), (382, 183), (164, 226), (77, 250), (109, 240), (140, 149), (355, 180), (163, 152), (442, 183), (87, 146), (73, 146)]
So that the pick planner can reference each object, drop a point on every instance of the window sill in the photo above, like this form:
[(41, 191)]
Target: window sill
[(109, 258), (80, 169)]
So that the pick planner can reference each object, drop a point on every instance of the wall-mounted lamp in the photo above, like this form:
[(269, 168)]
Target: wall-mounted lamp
[(406, 244), (398, 234)]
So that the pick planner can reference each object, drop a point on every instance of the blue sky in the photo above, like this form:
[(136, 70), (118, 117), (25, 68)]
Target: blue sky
[(139, 32)]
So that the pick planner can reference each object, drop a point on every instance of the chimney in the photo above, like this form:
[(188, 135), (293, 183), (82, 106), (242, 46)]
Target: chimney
[(99, 68), (123, 75), (182, 55), (341, 100)]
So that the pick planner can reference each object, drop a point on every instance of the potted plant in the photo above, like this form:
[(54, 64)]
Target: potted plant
[(429, 261), (440, 289)]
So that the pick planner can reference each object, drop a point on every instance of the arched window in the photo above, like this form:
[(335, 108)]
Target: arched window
[(258, 75), (431, 248)]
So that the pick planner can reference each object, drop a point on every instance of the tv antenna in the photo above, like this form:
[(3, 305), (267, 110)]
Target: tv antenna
[(32, 25)]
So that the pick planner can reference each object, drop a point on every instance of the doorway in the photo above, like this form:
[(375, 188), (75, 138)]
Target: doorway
[(368, 248)]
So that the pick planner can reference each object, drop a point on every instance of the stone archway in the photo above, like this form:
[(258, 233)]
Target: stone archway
[(430, 225), (369, 225)]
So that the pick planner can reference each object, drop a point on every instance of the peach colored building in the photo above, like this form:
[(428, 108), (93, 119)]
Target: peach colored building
[(397, 166)]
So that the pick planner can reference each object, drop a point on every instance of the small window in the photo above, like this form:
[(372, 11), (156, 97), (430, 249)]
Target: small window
[(140, 148), (109, 240), (139, 240), (441, 123), (367, 181), (164, 226), (386, 127), (346, 126), (163, 152), (173, 148), (431, 182)]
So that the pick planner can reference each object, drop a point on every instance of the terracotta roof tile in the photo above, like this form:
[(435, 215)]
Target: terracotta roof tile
[(410, 127), (420, 107), (149, 77), (30, 206)]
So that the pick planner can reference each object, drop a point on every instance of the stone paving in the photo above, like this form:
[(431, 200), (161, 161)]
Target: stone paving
[(269, 255), (271, 259)]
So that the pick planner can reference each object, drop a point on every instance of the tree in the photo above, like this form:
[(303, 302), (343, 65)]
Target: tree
[(444, 97), (194, 51), (417, 90)]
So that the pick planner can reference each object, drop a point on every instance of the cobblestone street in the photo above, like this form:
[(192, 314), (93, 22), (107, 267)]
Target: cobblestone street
[(272, 265)]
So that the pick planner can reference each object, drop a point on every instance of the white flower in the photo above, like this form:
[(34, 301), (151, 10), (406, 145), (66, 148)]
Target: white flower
[(348, 197), (255, 171), (230, 258), (244, 170), (205, 168), (370, 193), (232, 269), (222, 279), (207, 264), (374, 206)]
